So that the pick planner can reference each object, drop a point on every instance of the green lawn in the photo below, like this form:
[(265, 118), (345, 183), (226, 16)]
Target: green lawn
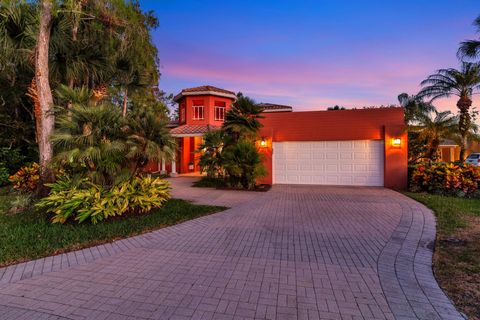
[(30, 235), (456, 260)]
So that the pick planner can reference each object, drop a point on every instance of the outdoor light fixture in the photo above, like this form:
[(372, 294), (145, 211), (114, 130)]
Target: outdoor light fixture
[(263, 143), (396, 142)]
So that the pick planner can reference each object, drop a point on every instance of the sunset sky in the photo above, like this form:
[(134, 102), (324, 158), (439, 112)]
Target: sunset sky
[(310, 54)]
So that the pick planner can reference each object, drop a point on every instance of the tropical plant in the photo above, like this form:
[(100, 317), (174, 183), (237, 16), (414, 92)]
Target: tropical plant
[(98, 44), (85, 201), (148, 137), (432, 127), (446, 178), (461, 83), (414, 107), (470, 48), (211, 153), (243, 164), (20, 202), (4, 174), (91, 141), (241, 121), (26, 179)]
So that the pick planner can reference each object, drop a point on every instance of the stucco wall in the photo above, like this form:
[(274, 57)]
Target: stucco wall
[(363, 124)]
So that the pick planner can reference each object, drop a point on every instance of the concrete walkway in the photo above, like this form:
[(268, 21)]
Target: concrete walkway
[(295, 252)]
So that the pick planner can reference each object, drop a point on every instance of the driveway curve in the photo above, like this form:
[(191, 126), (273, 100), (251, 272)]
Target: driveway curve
[(295, 252)]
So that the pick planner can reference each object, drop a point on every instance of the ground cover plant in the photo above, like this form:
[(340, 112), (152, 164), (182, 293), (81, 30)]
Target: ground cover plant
[(30, 234), (456, 261)]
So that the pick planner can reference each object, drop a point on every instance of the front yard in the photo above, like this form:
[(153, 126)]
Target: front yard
[(456, 261), (30, 235)]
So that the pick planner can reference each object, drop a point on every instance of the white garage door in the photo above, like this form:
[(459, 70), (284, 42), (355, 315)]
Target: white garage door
[(357, 163)]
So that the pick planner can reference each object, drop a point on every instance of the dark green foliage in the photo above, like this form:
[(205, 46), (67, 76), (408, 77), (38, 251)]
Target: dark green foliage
[(471, 48), (211, 153), (97, 142), (243, 164), (231, 153), (336, 107), (94, 44), (241, 121)]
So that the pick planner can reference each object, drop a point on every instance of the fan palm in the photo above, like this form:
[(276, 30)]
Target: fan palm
[(433, 127), (148, 138), (461, 83), (211, 153), (241, 121), (91, 139), (414, 107), (470, 48)]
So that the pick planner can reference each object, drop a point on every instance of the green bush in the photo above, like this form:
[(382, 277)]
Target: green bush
[(446, 178), (4, 174), (243, 164), (82, 200), (11, 159)]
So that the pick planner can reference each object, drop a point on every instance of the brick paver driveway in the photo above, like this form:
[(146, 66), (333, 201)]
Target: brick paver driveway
[(295, 252)]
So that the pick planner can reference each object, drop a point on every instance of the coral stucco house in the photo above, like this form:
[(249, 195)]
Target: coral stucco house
[(365, 147)]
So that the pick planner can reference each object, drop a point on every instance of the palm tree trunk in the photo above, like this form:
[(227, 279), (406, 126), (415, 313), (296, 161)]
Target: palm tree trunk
[(45, 99), (464, 124)]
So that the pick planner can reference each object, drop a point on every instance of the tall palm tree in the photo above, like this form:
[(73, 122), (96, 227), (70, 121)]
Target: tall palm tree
[(241, 121), (470, 48), (433, 127), (44, 94), (462, 83)]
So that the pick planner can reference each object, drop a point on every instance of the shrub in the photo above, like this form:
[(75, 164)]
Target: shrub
[(83, 200), (26, 179), (243, 164), (20, 203), (446, 178), (4, 175), (11, 158)]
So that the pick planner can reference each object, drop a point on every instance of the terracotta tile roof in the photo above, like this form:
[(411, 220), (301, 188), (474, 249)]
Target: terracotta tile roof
[(203, 90), (191, 130), (267, 107), (207, 88)]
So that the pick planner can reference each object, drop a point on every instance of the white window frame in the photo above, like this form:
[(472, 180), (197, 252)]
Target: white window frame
[(202, 113), (223, 114)]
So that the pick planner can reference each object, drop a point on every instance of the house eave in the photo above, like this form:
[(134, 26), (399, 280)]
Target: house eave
[(204, 93)]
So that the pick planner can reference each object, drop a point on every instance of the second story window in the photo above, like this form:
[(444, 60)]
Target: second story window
[(198, 113), (220, 113)]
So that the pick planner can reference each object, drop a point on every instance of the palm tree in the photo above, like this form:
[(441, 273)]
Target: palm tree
[(241, 122), (44, 95), (148, 138), (211, 153), (414, 107), (461, 83), (470, 48), (90, 139), (433, 127)]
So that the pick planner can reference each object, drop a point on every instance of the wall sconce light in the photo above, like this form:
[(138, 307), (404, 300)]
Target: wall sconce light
[(396, 142), (263, 143)]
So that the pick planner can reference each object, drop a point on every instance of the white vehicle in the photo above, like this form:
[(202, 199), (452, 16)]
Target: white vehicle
[(474, 158)]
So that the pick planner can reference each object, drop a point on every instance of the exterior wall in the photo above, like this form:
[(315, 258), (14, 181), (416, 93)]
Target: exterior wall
[(364, 124), (189, 145), (208, 103)]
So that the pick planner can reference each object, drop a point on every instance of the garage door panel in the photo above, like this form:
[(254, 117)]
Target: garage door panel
[(329, 162)]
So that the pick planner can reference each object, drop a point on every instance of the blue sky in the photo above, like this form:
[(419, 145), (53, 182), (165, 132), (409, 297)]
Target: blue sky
[(310, 54)]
